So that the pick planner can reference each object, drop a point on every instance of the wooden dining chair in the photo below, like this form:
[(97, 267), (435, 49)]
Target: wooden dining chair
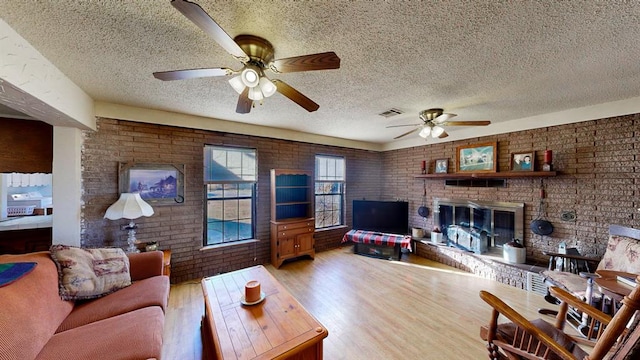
[(540, 340)]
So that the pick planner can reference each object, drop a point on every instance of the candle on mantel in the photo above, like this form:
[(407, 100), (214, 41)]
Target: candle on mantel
[(423, 167), (548, 157)]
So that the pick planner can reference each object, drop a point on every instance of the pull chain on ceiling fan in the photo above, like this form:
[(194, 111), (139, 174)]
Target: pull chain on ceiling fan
[(256, 54), (433, 121)]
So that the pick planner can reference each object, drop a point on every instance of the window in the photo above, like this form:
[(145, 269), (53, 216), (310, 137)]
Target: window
[(230, 176), (329, 191)]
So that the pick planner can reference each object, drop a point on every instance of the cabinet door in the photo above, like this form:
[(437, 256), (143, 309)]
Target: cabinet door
[(287, 247), (305, 244)]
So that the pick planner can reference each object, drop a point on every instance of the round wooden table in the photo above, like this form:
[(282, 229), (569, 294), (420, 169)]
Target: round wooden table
[(611, 287)]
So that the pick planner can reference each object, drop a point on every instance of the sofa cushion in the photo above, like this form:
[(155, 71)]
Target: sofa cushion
[(134, 335), (30, 308), (153, 291), (90, 273)]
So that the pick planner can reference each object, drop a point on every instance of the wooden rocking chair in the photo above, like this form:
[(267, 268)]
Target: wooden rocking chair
[(538, 340)]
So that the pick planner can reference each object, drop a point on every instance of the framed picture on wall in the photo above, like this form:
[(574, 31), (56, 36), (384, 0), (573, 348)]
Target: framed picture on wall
[(523, 161), (477, 157), (158, 184), (442, 166)]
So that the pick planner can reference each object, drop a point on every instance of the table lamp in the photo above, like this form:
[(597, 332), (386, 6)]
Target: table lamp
[(129, 206)]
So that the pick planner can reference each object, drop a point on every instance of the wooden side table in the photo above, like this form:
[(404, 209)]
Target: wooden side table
[(609, 286), (166, 270)]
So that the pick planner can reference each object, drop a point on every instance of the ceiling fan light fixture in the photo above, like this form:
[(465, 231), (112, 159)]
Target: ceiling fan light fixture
[(424, 133), (267, 87), (255, 94), (437, 131), (250, 77), (237, 84)]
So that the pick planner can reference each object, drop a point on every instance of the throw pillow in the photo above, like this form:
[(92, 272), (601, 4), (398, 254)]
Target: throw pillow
[(622, 254), (90, 273)]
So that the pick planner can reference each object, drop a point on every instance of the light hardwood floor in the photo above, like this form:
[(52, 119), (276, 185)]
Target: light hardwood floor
[(373, 309)]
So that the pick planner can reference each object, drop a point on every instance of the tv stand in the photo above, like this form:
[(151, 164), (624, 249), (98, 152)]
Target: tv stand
[(378, 251), (378, 245)]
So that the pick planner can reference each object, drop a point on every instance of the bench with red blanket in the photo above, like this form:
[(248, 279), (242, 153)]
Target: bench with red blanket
[(377, 244)]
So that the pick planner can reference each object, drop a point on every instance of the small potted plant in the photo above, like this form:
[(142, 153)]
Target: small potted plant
[(436, 235)]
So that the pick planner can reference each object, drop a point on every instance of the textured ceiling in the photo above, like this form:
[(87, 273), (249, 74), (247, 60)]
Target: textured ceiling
[(483, 60)]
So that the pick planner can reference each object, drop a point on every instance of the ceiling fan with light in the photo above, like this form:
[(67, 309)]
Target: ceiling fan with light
[(433, 121), (257, 56)]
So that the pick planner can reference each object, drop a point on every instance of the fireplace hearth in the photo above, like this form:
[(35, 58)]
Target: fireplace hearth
[(479, 226)]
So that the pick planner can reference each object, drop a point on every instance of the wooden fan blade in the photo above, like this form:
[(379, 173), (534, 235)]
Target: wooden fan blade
[(395, 126), (191, 74), (244, 103), (407, 133), (322, 61), (200, 17), (443, 135), (466, 123), (295, 96)]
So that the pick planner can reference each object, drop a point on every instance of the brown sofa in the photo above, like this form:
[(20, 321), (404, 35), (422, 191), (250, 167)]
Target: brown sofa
[(35, 323)]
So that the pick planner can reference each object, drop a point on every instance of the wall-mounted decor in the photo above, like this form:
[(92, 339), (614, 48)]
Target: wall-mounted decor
[(442, 166), (158, 184), (477, 157), (522, 161)]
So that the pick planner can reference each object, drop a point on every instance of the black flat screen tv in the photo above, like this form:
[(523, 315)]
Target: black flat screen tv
[(381, 216)]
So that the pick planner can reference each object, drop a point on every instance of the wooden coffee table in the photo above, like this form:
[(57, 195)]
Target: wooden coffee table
[(276, 328)]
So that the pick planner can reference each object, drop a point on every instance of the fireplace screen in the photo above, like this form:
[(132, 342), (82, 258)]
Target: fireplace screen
[(479, 226)]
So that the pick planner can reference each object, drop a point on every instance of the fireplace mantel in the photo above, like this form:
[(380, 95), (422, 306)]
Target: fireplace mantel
[(494, 175)]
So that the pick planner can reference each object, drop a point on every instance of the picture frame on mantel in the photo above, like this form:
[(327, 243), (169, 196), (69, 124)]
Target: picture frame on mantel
[(158, 184), (442, 166), (523, 161), (480, 157)]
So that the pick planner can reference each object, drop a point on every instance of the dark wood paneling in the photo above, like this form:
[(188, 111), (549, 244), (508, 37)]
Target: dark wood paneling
[(25, 146), (25, 241)]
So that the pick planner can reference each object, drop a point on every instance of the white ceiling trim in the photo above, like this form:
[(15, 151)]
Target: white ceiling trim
[(131, 113)]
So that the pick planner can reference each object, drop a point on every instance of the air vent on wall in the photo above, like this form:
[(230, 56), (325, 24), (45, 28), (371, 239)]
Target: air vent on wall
[(536, 284), (391, 112)]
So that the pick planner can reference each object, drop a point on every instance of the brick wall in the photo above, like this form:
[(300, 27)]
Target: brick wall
[(180, 227), (599, 165)]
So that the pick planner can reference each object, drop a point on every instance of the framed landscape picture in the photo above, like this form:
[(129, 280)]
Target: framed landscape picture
[(442, 166), (477, 157), (158, 184), (522, 161)]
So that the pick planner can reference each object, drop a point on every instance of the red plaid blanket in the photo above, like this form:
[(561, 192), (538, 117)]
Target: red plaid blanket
[(371, 237)]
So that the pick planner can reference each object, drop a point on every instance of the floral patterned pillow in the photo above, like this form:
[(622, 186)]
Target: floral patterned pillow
[(622, 254), (90, 273)]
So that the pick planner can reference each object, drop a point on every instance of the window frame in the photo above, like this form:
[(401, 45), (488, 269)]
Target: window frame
[(341, 192), (239, 197)]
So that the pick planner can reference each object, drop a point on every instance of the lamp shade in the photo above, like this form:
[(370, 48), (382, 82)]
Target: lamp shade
[(267, 87), (128, 206), (255, 94), (426, 130), (237, 84), (436, 131)]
